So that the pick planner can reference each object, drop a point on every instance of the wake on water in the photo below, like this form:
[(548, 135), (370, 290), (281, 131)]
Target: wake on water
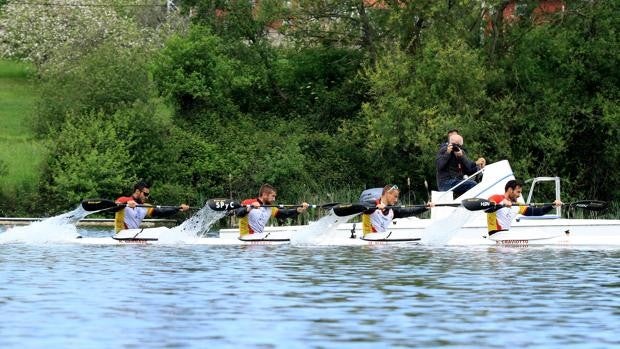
[(320, 232), (194, 228), (324, 231), (59, 228), (62, 228), (443, 230)]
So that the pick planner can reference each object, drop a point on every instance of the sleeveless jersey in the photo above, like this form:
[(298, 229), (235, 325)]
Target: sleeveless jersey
[(377, 222), (130, 218), (254, 222), (502, 218)]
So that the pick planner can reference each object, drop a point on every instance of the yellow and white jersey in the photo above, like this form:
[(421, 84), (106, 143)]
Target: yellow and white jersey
[(502, 218)]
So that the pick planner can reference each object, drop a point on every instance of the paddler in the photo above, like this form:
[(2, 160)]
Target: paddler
[(254, 215), (499, 217), (377, 220), (132, 215)]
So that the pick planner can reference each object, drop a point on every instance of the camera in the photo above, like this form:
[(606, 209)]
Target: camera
[(455, 147)]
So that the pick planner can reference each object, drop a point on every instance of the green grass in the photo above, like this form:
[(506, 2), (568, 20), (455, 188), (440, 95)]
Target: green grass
[(12, 69), (19, 150)]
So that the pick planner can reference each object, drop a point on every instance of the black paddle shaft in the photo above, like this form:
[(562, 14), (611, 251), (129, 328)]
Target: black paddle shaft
[(477, 204), (103, 204)]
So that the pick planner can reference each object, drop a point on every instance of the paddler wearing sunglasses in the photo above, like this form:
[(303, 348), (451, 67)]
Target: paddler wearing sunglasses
[(131, 215)]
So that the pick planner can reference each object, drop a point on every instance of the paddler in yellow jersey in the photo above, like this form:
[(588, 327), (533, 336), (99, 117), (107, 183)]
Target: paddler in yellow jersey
[(255, 213), (499, 218), (376, 221), (131, 215)]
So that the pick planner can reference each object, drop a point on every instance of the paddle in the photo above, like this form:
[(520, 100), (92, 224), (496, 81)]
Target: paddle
[(340, 210), (227, 205), (592, 205), (103, 204), (349, 209), (455, 204), (477, 204)]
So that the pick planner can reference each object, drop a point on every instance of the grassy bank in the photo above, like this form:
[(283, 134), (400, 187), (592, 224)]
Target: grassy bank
[(19, 151)]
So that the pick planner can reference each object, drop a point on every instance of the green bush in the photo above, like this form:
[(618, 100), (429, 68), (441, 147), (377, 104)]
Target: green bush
[(90, 159), (105, 80), (197, 75), (415, 100)]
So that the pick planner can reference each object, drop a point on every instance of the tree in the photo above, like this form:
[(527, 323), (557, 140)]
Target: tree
[(559, 83), (89, 159), (272, 120), (105, 80), (197, 74), (414, 102), (36, 32)]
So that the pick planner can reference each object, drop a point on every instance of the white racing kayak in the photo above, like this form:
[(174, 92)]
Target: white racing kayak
[(163, 235), (527, 238), (140, 235), (127, 236), (565, 232)]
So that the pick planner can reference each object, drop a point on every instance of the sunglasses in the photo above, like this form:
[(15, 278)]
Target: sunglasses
[(394, 187), (146, 193)]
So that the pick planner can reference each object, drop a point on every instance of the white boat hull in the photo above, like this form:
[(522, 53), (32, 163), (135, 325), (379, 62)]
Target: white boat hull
[(565, 232), (272, 236), (524, 232), (558, 231)]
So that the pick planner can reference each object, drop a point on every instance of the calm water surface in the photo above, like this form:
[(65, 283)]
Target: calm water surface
[(184, 296)]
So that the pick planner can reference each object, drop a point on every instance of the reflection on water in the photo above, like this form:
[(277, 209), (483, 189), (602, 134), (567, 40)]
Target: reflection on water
[(284, 296)]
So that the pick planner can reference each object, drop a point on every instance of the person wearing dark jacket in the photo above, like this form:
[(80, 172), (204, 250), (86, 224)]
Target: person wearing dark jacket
[(453, 166), (377, 219)]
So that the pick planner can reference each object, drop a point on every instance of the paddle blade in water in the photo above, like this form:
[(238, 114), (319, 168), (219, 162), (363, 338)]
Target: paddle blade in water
[(222, 204), (97, 204), (348, 209), (442, 230)]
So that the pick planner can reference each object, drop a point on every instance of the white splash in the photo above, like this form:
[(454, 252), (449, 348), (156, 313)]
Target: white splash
[(59, 228), (193, 228), (321, 232), (441, 231)]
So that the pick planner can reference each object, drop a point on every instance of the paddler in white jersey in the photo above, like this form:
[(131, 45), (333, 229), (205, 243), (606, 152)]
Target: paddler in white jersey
[(254, 215), (376, 221), (135, 210), (499, 217)]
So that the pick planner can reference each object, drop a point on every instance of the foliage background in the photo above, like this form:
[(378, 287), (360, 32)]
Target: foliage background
[(322, 98)]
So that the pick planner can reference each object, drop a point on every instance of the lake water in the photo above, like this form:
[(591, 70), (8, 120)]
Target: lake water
[(55, 295)]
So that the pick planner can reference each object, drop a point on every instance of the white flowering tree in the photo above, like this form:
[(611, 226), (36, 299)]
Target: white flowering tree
[(63, 30)]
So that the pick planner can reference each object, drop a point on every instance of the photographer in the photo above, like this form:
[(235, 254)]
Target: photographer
[(453, 165)]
